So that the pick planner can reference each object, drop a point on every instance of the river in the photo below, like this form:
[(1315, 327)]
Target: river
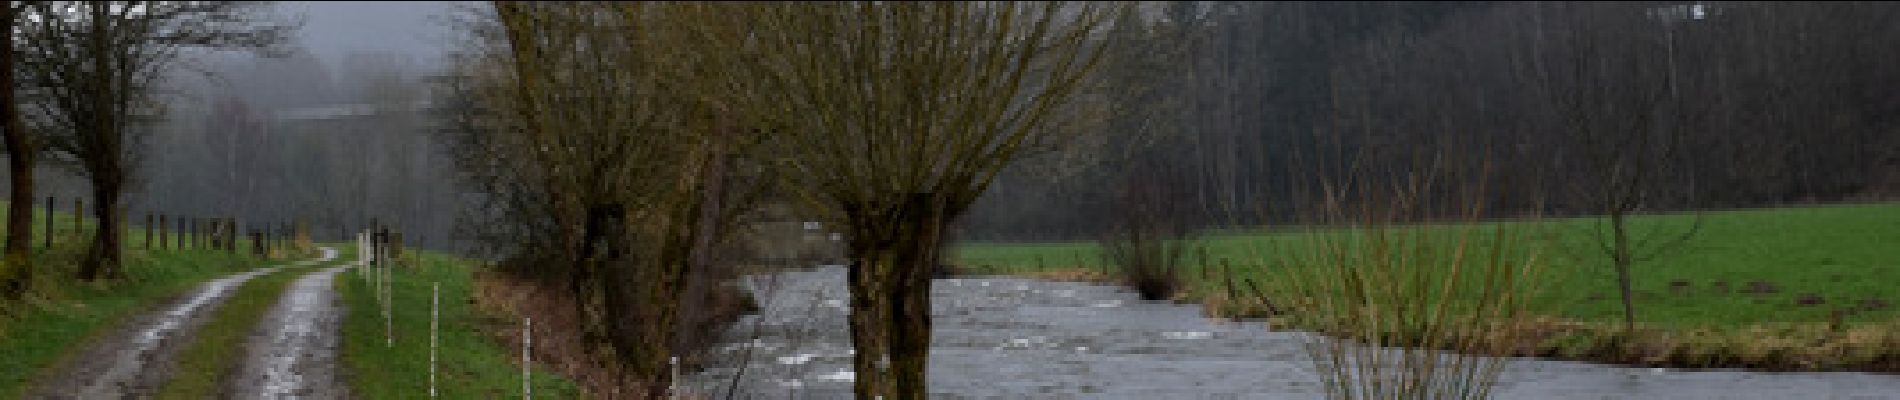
[(1011, 338)]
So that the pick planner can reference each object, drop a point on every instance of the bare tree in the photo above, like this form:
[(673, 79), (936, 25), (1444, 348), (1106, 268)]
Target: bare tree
[(1607, 75), (95, 70), (611, 150), (16, 270), (1148, 214), (892, 118)]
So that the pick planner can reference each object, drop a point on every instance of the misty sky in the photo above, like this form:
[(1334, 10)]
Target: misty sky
[(334, 28)]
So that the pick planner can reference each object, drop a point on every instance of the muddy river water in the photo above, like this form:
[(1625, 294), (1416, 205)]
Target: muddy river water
[(1008, 338)]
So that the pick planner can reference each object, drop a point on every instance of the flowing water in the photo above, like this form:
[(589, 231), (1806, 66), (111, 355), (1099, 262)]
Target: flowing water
[(1014, 338)]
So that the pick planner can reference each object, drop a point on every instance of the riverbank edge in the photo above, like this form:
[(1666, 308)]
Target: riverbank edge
[(558, 341), (1786, 347)]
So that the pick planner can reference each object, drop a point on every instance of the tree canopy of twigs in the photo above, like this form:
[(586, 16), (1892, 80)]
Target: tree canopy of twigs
[(610, 161), (890, 118), (92, 74)]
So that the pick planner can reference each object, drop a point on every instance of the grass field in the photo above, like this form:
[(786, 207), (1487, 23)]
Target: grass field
[(60, 313), (471, 365), (1744, 274)]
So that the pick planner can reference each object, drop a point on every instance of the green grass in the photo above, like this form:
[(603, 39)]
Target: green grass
[(59, 313), (212, 352), (471, 365), (1848, 255)]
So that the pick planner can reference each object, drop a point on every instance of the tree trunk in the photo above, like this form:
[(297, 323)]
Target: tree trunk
[(644, 338), (890, 299), (687, 261), (868, 314), (638, 301), (1621, 258), (16, 270), (103, 261)]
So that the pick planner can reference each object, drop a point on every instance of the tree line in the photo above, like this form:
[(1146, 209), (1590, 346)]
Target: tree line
[(1580, 108)]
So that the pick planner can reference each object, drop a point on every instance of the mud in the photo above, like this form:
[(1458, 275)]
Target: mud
[(294, 353), (133, 361)]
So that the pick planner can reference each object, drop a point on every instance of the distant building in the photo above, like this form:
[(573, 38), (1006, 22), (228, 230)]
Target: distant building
[(341, 111)]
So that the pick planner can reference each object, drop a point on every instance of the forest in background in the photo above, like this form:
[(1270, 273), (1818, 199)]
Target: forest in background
[(1233, 101), (1234, 107), (292, 138)]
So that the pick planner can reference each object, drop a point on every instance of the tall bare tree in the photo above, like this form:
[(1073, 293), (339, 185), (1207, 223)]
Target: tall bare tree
[(614, 153), (95, 70), (1610, 82), (16, 269), (893, 117)]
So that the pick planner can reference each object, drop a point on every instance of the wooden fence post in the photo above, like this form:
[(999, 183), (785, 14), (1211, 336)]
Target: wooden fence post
[(164, 236), (1228, 269), (79, 216), (148, 230), (49, 221)]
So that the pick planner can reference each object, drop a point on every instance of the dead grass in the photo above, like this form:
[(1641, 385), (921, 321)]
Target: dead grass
[(1077, 274), (1780, 347), (558, 341)]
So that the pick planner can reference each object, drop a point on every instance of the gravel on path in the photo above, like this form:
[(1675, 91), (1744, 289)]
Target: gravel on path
[(136, 359), (294, 353)]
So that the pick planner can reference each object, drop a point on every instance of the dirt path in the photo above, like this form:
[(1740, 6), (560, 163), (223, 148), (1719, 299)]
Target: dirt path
[(133, 361), (294, 352)]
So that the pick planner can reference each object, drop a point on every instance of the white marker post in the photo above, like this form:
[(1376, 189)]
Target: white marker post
[(527, 339), (389, 298), (435, 313), (389, 321)]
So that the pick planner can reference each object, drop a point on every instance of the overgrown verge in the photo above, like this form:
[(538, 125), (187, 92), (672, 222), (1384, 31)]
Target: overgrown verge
[(559, 337), (470, 363), (59, 314)]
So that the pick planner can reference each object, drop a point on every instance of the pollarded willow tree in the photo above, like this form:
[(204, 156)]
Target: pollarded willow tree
[(91, 73), (892, 117), (613, 162)]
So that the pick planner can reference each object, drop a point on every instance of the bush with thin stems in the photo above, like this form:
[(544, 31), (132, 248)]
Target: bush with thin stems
[(1149, 238), (1406, 311)]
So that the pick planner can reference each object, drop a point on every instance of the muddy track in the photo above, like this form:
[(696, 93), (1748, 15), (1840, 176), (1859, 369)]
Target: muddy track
[(136, 359), (294, 352)]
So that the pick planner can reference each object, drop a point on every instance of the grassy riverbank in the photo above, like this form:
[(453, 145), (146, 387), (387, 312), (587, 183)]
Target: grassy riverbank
[(470, 365), (1788, 288), (59, 313)]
